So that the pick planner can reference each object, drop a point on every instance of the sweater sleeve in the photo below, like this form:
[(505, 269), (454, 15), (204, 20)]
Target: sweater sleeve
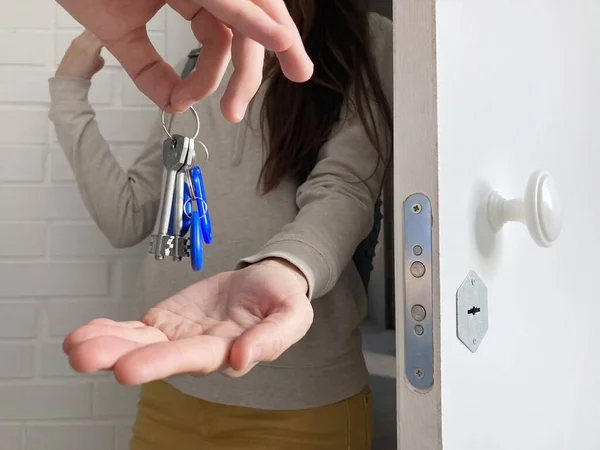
[(336, 206), (337, 201), (124, 204)]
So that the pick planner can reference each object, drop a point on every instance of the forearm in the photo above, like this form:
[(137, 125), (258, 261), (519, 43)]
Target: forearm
[(321, 240), (336, 205), (124, 204)]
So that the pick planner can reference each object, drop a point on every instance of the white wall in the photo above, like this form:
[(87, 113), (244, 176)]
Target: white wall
[(56, 270)]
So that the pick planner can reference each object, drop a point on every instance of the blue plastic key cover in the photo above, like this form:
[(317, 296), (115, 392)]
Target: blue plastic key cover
[(196, 250), (202, 203)]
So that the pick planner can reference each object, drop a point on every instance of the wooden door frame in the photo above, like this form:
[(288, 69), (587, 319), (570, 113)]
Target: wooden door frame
[(416, 171)]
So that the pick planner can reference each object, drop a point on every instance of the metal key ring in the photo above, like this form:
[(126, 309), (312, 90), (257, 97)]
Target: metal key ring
[(188, 180), (162, 117), (204, 208), (205, 151)]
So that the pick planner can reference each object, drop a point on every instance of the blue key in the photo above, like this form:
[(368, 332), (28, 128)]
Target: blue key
[(196, 250), (202, 203)]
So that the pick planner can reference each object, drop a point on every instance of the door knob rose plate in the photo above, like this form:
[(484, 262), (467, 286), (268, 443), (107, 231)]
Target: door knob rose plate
[(539, 209)]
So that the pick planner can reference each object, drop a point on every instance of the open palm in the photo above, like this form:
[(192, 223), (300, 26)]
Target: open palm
[(227, 323), (237, 29)]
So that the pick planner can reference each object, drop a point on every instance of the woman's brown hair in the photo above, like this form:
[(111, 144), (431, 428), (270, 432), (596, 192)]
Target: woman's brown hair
[(298, 118)]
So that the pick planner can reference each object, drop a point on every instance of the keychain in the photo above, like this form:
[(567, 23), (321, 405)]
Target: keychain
[(184, 208)]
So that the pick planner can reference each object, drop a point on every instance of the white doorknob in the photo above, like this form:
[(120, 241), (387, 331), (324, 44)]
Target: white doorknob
[(539, 209)]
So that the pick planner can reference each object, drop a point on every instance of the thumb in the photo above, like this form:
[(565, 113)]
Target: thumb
[(267, 340)]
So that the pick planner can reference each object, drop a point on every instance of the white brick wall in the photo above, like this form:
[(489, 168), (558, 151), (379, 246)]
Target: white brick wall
[(57, 271)]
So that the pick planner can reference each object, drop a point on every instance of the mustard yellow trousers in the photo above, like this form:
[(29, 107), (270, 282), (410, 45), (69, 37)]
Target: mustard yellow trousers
[(167, 419)]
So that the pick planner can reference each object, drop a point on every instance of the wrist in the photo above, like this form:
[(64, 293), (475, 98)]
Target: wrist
[(288, 266)]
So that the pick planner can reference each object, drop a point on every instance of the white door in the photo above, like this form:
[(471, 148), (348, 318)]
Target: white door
[(486, 94)]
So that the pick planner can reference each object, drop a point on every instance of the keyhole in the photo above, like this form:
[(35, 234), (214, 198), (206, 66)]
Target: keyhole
[(474, 310)]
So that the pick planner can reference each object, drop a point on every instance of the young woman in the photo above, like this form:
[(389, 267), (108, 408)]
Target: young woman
[(291, 191)]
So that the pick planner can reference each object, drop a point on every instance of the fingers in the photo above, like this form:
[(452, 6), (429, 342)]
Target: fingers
[(126, 324), (248, 58), (150, 73), (230, 373), (274, 335), (211, 64), (101, 343), (138, 354), (252, 21), (100, 353), (268, 23), (295, 63), (103, 328), (87, 42), (90, 38), (200, 355), (259, 23)]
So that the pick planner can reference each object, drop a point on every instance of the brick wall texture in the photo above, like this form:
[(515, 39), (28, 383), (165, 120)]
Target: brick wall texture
[(57, 271)]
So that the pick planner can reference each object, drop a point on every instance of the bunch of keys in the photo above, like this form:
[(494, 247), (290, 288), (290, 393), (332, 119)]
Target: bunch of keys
[(184, 208)]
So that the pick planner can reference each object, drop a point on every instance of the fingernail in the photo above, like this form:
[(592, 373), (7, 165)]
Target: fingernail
[(240, 112), (255, 354)]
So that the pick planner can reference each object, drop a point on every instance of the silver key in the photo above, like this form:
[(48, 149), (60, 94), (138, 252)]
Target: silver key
[(178, 207), (181, 243), (178, 215), (175, 155)]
